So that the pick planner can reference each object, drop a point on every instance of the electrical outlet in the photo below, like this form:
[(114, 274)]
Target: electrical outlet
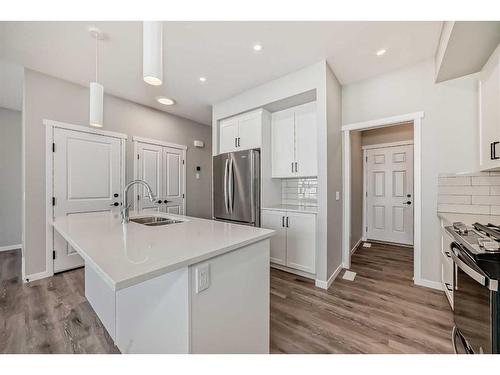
[(202, 277), (337, 195)]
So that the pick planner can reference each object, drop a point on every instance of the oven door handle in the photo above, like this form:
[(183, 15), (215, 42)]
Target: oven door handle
[(481, 279)]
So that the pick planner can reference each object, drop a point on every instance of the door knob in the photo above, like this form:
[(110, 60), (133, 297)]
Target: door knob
[(160, 202), (116, 204), (408, 203), (115, 195)]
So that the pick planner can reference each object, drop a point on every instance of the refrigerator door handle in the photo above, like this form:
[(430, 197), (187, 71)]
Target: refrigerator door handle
[(231, 186), (225, 186), (252, 184)]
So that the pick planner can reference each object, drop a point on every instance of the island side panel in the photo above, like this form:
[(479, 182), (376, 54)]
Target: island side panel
[(232, 314), (153, 316), (101, 297)]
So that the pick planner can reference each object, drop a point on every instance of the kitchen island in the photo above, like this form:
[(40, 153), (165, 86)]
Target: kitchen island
[(194, 286)]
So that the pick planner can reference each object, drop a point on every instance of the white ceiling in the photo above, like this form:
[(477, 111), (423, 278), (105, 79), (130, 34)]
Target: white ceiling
[(11, 86), (220, 51)]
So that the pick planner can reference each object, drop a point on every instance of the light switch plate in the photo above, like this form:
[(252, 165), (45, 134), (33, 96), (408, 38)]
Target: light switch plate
[(337, 195), (202, 277)]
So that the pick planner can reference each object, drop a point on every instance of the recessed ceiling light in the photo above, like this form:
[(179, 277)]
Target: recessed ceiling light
[(381, 52), (257, 47), (203, 79), (165, 101)]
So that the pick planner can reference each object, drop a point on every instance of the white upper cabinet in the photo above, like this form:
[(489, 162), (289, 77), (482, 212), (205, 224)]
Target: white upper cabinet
[(489, 113), (294, 142), (242, 132), (283, 143), (306, 140)]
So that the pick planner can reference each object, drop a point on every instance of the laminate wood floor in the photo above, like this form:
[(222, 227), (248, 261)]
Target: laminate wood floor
[(381, 311), (50, 315)]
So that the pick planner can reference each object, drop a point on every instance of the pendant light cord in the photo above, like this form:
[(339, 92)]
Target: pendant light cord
[(96, 55)]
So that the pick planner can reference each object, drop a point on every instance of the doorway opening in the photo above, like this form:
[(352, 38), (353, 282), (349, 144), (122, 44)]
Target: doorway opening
[(382, 185)]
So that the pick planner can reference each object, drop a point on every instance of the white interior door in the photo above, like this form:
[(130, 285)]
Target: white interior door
[(173, 181), (87, 177), (150, 169), (389, 187)]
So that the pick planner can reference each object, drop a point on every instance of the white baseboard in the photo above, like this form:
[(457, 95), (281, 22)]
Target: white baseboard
[(429, 284), (326, 284), (37, 276), (10, 247), (353, 250), (294, 271)]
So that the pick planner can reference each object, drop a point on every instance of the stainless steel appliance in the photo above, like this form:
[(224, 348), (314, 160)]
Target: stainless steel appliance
[(237, 187), (476, 257)]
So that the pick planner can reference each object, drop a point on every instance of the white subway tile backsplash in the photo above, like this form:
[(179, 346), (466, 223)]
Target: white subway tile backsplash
[(486, 180), (492, 200), (472, 193), (455, 181), (455, 199), (463, 190), (299, 191), (464, 208)]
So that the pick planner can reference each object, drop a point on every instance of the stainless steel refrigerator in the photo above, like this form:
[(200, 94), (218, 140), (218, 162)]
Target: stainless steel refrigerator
[(237, 187)]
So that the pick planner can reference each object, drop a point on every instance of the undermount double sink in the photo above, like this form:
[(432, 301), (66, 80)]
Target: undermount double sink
[(153, 221)]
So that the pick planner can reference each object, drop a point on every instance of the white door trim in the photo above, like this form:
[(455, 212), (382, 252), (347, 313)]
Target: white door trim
[(83, 129), (416, 118), (158, 143), (138, 140), (385, 145), (49, 186), (365, 179)]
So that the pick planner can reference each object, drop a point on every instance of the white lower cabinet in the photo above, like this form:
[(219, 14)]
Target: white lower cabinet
[(294, 244)]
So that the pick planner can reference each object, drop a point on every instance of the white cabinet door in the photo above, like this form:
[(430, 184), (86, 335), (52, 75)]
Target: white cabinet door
[(173, 181), (249, 131), (275, 220), (306, 140), (150, 170), (301, 241), (228, 135), (87, 175), (489, 113), (283, 144)]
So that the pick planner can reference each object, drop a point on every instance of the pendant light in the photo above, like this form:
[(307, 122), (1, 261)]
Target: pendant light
[(96, 89), (152, 53)]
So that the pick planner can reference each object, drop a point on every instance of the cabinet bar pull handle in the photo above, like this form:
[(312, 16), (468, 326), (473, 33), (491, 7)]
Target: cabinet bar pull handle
[(292, 166), (235, 142), (494, 151), (296, 168), (283, 221), (287, 221)]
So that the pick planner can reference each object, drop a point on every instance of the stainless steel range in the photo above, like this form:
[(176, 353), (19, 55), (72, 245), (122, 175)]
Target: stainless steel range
[(476, 257)]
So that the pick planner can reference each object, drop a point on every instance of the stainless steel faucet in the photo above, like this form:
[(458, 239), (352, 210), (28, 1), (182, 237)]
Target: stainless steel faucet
[(126, 205)]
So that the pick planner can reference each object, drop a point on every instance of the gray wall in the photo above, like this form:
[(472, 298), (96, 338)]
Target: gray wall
[(356, 188), (51, 98), (334, 171), (10, 177), (398, 133), (449, 133)]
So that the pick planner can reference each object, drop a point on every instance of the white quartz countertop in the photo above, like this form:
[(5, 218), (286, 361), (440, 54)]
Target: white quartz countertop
[(469, 219), (292, 207), (127, 254)]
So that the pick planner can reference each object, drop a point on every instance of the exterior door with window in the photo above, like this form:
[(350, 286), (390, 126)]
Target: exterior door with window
[(87, 178), (389, 194)]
